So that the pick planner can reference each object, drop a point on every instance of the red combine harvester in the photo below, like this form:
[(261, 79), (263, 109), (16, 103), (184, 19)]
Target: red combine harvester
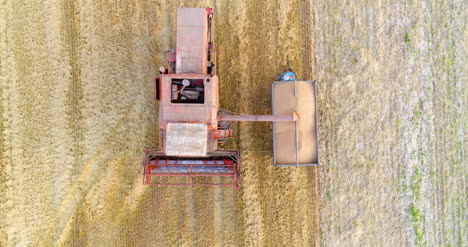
[(192, 124)]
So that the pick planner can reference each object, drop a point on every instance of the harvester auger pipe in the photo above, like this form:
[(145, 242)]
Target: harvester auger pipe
[(258, 118)]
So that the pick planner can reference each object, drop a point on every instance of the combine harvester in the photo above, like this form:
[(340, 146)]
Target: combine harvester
[(192, 125)]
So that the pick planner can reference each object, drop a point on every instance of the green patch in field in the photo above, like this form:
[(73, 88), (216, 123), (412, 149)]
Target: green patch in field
[(450, 61), (398, 123), (421, 154), (416, 214), (407, 39), (417, 221), (339, 41), (417, 115), (416, 182), (458, 146), (405, 187)]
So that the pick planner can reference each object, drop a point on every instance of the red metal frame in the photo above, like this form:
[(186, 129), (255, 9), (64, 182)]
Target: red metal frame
[(221, 134), (152, 164)]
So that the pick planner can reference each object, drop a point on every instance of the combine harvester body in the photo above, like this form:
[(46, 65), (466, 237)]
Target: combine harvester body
[(192, 125)]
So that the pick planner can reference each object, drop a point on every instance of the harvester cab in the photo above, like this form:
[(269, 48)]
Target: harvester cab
[(192, 125)]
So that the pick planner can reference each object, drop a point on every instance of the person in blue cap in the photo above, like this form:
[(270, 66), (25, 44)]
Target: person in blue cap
[(288, 75)]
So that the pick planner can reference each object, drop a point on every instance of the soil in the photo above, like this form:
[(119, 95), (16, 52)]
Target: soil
[(77, 111)]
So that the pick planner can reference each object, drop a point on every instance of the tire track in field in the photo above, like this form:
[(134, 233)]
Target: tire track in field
[(218, 214), (252, 211), (27, 209), (110, 130), (90, 174), (42, 66), (71, 24), (5, 135)]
